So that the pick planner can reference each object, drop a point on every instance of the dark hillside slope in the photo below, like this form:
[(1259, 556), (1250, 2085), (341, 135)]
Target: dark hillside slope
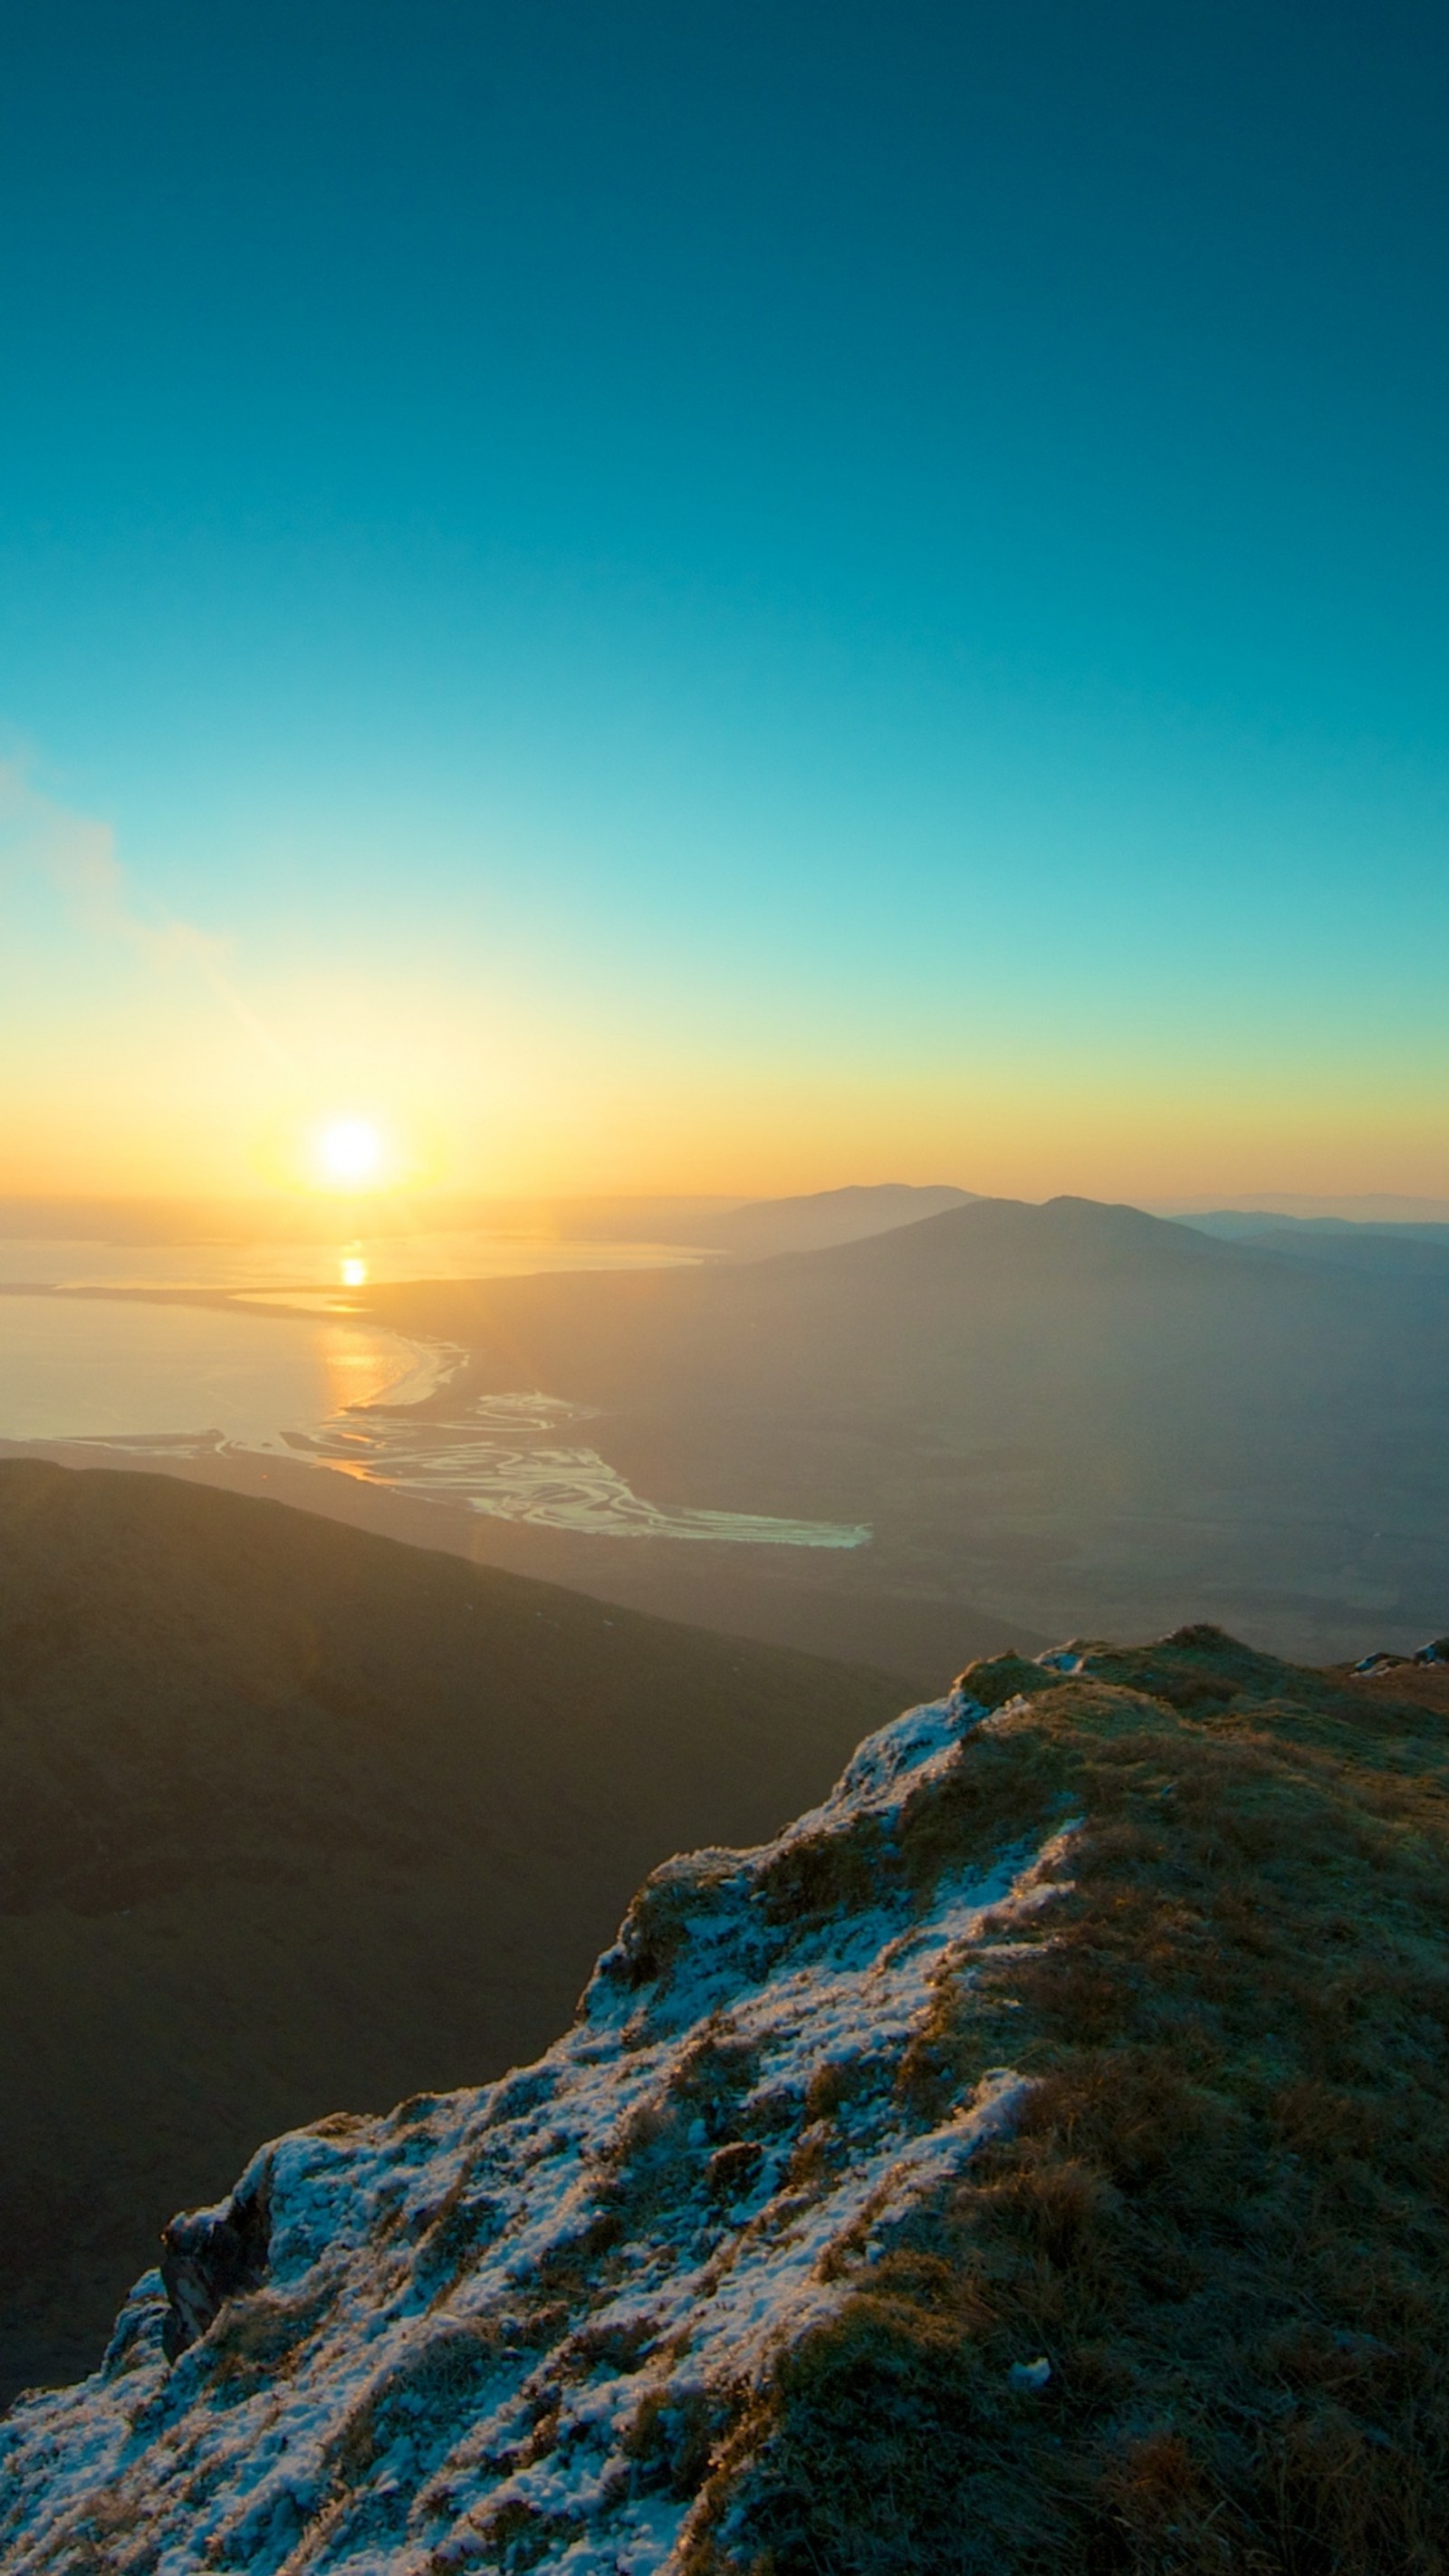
[(1078, 1414), (293, 1818)]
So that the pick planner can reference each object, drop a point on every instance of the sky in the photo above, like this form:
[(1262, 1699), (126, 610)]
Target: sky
[(732, 598)]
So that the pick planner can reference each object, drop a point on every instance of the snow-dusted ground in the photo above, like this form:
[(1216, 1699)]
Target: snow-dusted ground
[(506, 2328)]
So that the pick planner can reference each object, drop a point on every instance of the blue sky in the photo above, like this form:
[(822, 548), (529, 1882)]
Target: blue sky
[(740, 597)]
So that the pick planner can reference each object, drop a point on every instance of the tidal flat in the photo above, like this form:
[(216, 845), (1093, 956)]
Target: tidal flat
[(108, 1351)]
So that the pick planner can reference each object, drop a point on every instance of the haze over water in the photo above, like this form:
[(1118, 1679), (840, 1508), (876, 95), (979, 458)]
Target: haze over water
[(95, 1368), (315, 1269)]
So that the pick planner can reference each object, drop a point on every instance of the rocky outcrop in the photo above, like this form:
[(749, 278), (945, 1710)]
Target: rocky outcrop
[(210, 2256), (1384, 1661)]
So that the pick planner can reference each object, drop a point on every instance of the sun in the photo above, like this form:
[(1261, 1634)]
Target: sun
[(349, 1152)]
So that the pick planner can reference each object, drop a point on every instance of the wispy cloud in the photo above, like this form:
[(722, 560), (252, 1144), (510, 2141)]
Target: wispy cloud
[(77, 856)]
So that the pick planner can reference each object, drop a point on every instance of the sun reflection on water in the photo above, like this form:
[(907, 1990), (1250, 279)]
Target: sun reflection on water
[(361, 1370)]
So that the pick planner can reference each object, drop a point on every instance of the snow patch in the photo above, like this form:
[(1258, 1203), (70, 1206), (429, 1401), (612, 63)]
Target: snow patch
[(512, 2326)]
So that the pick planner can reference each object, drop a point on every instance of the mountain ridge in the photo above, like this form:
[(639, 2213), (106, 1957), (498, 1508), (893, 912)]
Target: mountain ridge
[(763, 1228), (972, 2178)]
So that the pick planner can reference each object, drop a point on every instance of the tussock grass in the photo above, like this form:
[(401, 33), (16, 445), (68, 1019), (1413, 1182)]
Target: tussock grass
[(1224, 2217), (256, 2337)]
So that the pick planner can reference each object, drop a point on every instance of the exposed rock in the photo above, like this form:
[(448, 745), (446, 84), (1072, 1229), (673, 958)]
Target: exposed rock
[(210, 2256)]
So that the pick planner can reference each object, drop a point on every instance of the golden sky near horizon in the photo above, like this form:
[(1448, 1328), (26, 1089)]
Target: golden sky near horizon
[(143, 1054)]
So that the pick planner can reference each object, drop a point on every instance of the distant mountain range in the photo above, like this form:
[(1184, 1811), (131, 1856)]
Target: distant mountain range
[(1073, 1415), (1051, 1418), (1411, 1250), (294, 1819)]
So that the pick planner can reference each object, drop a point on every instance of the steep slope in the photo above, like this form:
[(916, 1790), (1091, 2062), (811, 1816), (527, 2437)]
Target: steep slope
[(1032, 2159), (295, 1819), (1074, 1415)]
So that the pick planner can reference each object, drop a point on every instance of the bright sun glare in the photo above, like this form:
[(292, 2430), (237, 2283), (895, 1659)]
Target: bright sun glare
[(349, 1152)]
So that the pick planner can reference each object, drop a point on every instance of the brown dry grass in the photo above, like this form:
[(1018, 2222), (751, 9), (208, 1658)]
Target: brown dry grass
[(1223, 2219)]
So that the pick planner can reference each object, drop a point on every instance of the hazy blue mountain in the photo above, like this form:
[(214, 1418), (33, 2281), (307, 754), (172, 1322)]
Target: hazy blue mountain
[(1079, 1415), (764, 1227), (1408, 1249)]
